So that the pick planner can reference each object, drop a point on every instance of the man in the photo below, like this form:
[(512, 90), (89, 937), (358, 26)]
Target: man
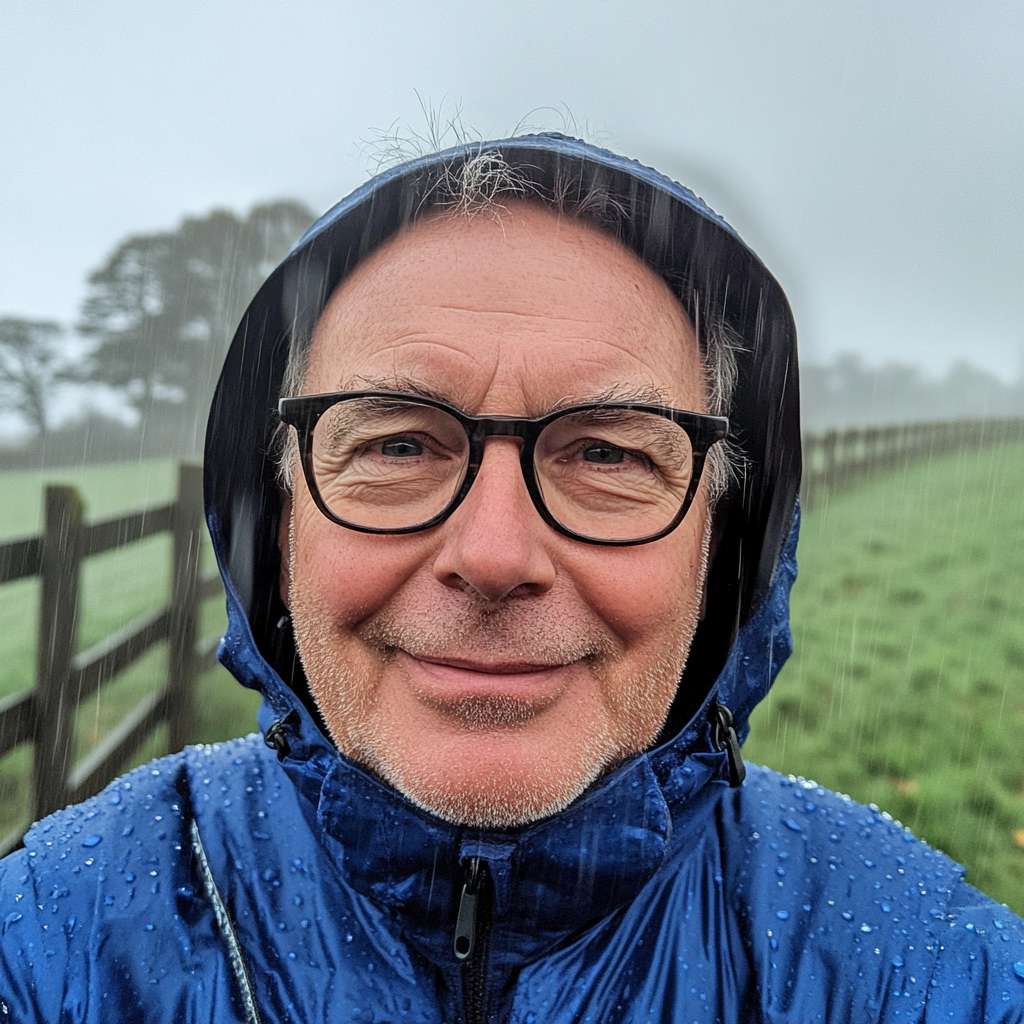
[(510, 569)]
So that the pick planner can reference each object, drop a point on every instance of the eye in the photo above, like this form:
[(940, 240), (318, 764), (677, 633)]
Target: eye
[(604, 454), (401, 447)]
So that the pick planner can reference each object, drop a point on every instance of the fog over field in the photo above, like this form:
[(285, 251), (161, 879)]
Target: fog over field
[(871, 153)]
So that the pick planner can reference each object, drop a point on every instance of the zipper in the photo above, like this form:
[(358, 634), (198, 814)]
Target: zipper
[(472, 936)]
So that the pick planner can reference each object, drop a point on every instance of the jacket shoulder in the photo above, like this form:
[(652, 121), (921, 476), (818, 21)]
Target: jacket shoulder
[(837, 891), (105, 901)]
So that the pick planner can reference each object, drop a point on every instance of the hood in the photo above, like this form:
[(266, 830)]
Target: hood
[(679, 237)]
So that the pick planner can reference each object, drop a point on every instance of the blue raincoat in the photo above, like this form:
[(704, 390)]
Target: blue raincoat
[(273, 880)]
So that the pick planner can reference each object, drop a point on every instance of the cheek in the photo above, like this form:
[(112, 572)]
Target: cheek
[(645, 591), (350, 575)]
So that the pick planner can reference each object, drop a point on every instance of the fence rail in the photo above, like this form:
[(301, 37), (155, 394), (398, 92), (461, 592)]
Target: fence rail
[(835, 460), (45, 714)]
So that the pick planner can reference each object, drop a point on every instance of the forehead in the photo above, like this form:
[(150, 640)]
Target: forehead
[(515, 312)]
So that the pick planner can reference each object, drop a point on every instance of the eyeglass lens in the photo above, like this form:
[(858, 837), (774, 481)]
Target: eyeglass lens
[(609, 474)]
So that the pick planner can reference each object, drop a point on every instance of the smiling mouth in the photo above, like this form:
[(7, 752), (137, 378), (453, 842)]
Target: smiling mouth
[(497, 668), (483, 695)]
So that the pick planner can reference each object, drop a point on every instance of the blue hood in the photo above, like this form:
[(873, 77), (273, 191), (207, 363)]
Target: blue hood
[(705, 264)]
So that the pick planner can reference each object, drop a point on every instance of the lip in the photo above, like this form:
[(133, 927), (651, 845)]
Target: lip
[(453, 679)]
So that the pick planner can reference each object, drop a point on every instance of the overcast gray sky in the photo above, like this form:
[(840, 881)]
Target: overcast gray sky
[(872, 152)]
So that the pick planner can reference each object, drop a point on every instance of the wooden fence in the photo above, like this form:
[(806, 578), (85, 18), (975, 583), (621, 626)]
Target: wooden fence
[(837, 459), (45, 714)]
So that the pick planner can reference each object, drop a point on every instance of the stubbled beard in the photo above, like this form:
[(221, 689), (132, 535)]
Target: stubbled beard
[(498, 795)]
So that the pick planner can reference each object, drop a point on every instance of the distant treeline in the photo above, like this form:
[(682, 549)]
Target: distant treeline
[(159, 313), (846, 393)]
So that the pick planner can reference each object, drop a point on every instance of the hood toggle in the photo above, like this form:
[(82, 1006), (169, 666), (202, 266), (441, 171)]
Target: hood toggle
[(723, 737), (276, 737)]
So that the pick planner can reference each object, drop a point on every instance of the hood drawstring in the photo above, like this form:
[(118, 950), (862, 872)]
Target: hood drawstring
[(723, 737)]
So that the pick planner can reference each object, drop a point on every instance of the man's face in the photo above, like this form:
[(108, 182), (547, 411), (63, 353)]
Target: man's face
[(490, 668)]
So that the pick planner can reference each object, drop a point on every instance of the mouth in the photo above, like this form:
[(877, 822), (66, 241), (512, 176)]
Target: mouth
[(452, 685)]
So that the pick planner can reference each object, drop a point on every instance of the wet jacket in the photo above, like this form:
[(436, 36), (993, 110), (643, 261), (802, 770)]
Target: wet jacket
[(271, 879)]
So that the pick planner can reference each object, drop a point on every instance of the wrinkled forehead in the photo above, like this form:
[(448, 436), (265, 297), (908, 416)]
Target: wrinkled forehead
[(515, 305)]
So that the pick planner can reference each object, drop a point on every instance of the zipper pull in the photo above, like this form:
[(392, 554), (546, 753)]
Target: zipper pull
[(465, 922), (723, 737)]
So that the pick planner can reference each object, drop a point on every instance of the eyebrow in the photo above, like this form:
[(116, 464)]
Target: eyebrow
[(644, 394)]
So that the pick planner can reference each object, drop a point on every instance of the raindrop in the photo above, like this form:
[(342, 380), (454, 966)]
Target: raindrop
[(93, 840), (847, 916), (792, 825), (782, 915), (897, 961), (1018, 969), (865, 927)]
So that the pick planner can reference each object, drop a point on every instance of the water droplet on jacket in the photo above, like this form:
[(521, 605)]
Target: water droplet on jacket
[(115, 798), (897, 961), (348, 936), (781, 872), (886, 908), (1018, 969), (93, 840), (807, 907), (792, 825), (847, 916), (865, 927), (149, 927), (782, 915)]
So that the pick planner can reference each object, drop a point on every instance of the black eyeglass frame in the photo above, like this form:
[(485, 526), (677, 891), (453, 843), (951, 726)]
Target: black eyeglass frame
[(304, 411)]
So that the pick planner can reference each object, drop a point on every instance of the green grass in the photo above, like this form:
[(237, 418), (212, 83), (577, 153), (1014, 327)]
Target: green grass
[(116, 587), (906, 685)]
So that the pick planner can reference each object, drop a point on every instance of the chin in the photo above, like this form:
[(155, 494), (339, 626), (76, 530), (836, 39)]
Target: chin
[(493, 785)]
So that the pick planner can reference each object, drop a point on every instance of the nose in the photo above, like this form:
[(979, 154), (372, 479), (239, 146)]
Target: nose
[(495, 544)]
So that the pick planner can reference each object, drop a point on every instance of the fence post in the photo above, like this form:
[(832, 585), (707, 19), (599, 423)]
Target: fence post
[(187, 531), (58, 628)]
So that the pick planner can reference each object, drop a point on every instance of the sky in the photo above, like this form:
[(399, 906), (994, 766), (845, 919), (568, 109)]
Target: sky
[(871, 152)]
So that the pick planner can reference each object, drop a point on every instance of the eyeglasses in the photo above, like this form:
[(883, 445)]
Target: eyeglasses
[(605, 473)]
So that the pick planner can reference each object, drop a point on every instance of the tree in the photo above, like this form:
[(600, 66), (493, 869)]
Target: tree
[(32, 361), (163, 308)]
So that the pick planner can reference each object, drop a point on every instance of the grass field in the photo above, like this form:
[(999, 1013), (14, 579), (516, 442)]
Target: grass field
[(906, 687)]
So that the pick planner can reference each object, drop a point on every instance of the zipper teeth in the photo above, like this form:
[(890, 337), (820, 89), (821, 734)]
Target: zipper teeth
[(474, 970), (474, 975)]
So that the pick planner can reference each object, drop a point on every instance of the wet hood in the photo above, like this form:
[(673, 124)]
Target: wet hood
[(673, 232)]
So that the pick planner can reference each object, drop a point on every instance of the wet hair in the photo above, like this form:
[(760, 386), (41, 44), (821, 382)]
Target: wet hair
[(483, 185)]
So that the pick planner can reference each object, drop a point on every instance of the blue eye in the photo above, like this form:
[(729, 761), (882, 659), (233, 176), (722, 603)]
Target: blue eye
[(401, 447), (604, 454)]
